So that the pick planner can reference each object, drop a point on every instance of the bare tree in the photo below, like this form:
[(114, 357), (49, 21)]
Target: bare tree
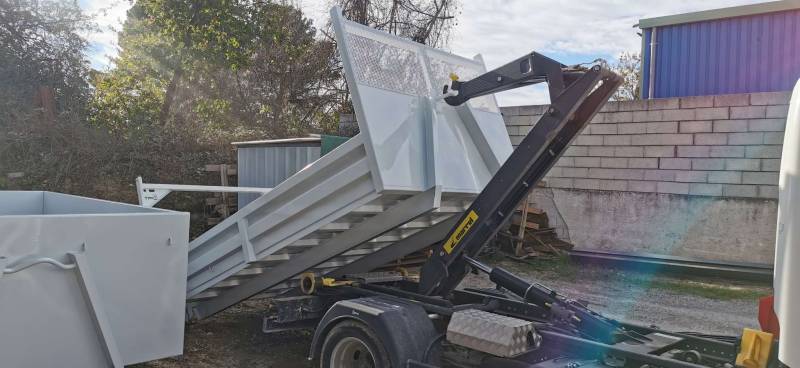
[(425, 21), (628, 66)]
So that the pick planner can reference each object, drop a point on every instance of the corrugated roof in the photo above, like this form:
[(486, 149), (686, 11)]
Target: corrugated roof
[(736, 11), (312, 139)]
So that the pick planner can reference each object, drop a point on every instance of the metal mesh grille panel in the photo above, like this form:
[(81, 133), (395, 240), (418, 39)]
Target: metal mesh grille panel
[(384, 66), (441, 70)]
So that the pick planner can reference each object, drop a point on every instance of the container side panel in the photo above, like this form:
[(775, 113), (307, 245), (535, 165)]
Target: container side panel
[(308, 200), (137, 263), (65, 204), (400, 145), (21, 203), (35, 335)]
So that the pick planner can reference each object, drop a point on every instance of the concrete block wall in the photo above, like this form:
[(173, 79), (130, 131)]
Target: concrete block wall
[(348, 126), (723, 146), (694, 177)]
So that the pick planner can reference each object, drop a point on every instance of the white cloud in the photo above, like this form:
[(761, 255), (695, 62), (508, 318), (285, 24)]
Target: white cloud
[(108, 16), (501, 30), (603, 27), (316, 10)]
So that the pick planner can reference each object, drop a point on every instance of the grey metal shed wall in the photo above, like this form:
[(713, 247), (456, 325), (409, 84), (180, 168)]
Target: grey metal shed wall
[(266, 166)]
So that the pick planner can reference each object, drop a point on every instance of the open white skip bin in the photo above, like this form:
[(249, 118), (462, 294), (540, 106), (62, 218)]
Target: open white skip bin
[(89, 283)]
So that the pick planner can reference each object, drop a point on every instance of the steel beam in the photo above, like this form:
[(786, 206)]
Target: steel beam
[(150, 194)]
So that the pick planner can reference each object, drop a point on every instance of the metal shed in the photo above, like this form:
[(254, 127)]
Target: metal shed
[(266, 163), (744, 49)]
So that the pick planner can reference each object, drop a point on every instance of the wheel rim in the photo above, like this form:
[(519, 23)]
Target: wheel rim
[(351, 352)]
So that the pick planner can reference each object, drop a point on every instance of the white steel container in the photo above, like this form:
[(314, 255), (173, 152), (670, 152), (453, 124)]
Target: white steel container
[(89, 283)]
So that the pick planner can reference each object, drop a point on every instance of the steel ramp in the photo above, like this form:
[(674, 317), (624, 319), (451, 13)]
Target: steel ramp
[(383, 194)]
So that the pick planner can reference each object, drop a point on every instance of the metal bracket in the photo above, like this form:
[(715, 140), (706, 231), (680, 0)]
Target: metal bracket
[(247, 246), (150, 194), (101, 321)]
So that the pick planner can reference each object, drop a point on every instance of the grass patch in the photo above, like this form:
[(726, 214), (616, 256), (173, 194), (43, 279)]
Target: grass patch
[(695, 287), (710, 291), (560, 267)]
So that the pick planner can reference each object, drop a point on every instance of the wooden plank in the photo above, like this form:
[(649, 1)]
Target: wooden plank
[(535, 211), (538, 217), (528, 225), (231, 168), (223, 177), (518, 250)]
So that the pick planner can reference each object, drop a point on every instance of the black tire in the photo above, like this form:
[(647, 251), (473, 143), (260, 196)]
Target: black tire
[(351, 344)]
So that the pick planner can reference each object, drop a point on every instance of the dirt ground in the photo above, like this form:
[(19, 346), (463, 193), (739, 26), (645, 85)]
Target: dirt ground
[(234, 339)]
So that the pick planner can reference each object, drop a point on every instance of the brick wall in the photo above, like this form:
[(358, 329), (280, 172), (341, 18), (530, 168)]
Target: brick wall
[(724, 146)]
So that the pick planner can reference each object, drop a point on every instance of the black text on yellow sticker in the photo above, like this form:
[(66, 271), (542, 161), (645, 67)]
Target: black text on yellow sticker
[(461, 230)]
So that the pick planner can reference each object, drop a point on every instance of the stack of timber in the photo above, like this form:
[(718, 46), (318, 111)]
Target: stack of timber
[(536, 237)]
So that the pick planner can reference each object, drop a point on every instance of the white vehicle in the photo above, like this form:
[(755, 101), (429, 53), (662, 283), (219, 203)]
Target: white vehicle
[(787, 245)]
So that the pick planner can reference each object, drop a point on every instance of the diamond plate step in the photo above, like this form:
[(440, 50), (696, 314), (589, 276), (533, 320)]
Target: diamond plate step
[(491, 333)]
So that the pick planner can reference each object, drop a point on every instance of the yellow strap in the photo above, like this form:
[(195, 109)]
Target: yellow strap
[(331, 282)]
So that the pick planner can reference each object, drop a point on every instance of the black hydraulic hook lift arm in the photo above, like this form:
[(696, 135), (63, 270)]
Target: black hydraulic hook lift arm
[(576, 95)]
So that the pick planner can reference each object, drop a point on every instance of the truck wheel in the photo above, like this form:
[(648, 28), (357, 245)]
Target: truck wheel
[(352, 344)]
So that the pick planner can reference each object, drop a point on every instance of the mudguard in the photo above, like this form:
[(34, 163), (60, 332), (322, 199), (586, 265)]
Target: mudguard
[(404, 328)]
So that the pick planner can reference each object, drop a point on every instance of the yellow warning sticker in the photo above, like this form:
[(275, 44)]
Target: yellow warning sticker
[(461, 230)]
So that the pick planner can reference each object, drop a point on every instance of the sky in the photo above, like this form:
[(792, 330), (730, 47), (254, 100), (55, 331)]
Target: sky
[(500, 30)]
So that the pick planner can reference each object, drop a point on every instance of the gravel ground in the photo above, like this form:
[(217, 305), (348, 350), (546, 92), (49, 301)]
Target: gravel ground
[(233, 338)]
